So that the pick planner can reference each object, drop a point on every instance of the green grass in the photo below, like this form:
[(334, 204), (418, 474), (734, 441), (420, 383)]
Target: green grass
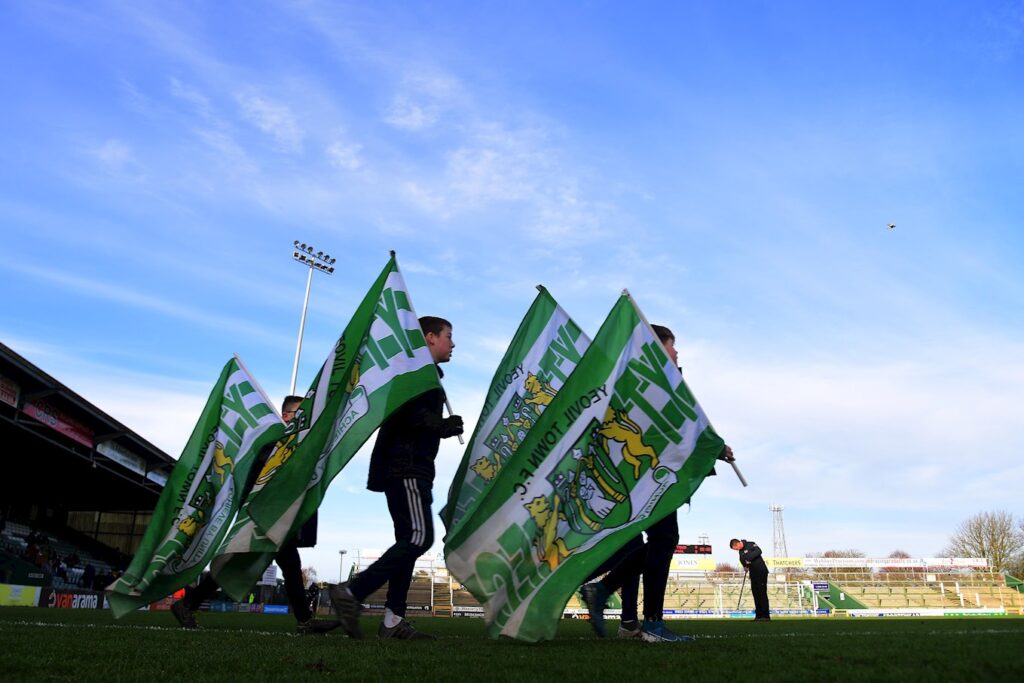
[(74, 645)]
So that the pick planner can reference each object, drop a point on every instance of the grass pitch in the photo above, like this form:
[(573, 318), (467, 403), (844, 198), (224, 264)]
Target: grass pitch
[(74, 645)]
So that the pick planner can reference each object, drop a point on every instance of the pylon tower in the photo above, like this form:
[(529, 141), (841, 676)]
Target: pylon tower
[(778, 532)]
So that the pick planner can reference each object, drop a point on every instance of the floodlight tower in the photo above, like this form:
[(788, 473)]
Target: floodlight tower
[(315, 260), (778, 532)]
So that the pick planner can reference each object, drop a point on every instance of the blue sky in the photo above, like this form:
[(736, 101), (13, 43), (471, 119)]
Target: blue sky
[(733, 165)]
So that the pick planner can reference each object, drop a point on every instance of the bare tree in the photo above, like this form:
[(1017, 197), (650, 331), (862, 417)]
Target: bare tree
[(308, 575), (1016, 565), (900, 555), (835, 572), (725, 568), (993, 535)]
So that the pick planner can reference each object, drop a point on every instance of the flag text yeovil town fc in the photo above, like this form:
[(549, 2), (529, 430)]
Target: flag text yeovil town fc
[(623, 444)]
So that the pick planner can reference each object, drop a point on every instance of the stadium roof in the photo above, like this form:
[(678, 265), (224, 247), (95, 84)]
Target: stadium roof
[(60, 450)]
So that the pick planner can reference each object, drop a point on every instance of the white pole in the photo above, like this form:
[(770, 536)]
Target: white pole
[(302, 328)]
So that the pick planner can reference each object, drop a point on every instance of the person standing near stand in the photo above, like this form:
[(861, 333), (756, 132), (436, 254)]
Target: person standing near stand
[(750, 558)]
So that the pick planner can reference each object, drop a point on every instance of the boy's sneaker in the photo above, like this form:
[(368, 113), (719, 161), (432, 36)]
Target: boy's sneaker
[(595, 596), (403, 630), (315, 626), (347, 608), (655, 631), (184, 615), (629, 629)]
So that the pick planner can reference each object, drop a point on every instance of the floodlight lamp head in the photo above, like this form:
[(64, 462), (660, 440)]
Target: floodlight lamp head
[(303, 246), (295, 254), (331, 269), (319, 254), (296, 243), (333, 260)]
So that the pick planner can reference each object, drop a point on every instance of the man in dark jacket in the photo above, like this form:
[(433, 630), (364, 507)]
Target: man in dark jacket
[(287, 558), (402, 467), (750, 558)]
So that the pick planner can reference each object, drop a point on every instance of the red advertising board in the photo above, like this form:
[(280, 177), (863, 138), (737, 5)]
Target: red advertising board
[(55, 419), (8, 391)]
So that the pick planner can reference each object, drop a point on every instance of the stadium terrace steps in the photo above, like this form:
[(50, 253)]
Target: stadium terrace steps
[(420, 600), (720, 592), (442, 599), (977, 589)]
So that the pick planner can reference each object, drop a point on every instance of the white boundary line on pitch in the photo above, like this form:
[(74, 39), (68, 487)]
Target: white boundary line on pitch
[(133, 627), (279, 634), (791, 634)]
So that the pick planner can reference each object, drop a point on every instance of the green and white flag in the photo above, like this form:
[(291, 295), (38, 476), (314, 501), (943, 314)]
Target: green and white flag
[(201, 496), (542, 355), (380, 361), (623, 444)]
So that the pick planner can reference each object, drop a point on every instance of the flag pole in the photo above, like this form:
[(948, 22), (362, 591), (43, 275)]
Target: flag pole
[(447, 403), (738, 473)]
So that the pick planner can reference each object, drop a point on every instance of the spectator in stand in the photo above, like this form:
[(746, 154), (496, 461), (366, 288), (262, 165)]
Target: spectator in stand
[(88, 576), (31, 549), (43, 559)]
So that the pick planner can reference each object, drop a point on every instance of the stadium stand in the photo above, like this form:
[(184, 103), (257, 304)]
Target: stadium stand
[(78, 487), (722, 593)]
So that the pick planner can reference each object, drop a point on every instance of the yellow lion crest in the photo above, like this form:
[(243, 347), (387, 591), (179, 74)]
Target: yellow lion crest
[(619, 428), (540, 392), (222, 462), (282, 452), (550, 548), (193, 523), (485, 468)]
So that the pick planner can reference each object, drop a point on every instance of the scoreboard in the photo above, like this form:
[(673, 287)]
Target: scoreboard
[(697, 549)]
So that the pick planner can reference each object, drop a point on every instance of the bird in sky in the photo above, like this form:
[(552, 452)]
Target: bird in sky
[(891, 226)]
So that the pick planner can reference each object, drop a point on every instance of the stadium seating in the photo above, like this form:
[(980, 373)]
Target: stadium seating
[(435, 592), (12, 540)]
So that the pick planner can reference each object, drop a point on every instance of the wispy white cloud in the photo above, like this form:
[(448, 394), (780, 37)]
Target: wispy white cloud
[(885, 435), (115, 155), (199, 102), (422, 99), (273, 118), (122, 294), (345, 156)]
